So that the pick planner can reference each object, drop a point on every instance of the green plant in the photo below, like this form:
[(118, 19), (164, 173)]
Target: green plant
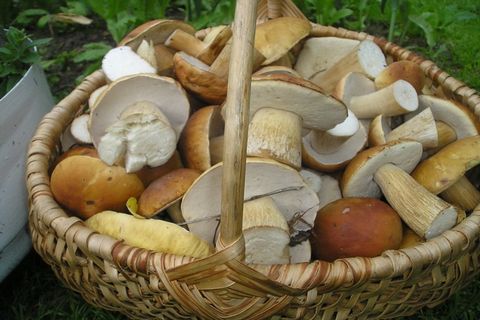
[(327, 12), (202, 14), (91, 54), (17, 54)]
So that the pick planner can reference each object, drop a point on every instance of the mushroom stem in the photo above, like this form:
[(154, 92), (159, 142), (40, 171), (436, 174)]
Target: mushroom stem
[(396, 99), (183, 41), (325, 143), (446, 134), (422, 211), (276, 134), (462, 194)]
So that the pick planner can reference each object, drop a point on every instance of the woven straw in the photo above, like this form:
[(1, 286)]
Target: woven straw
[(145, 284)]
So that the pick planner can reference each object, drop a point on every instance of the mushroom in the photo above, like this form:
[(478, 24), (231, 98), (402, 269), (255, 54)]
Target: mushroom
[(197, 78), (396, 99), (301, 253), (216, 149), (79, 129), (206, 50), (352, 85), (129, 115), (444, 172), (276, 70), (366, 58), (320, 53), (149, 174), (384, 169), (123, 61), (165, 191), (146, 50), (401, 70), (276, 134), (421, 128), (204, 125), (332, 149), (264, 177), (326, 187), (266, 232), (94, 95), (156, 31), (288, 93), (274, 38)]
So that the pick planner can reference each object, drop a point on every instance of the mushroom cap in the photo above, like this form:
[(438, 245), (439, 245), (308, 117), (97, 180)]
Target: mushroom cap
[(274, 38), (337, 160), (156, 30), (320, 53), (456, 115), (401, 70), (195, 139), (444, 168), (196, 77), (262, 177), (166, 190), (275, 70), (165, 93), (280, 91), (358, 177), (149, 174)]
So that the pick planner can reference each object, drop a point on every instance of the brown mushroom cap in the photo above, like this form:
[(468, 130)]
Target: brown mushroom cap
[(357, 179), (149, 174), (402, 70), (156, 30), (166, 190), (204, 124), (276, 37), (280, 91), (165, 93), (87, 186), (196, 77), (444, 168)]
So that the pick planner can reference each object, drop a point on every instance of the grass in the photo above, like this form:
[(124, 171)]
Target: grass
[(33, 292)]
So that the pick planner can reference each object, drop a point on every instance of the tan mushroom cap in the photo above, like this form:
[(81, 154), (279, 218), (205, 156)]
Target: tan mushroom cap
[(165, 93), (165, 191), (276, 70), (263, 177), (156, 30), (333, 161), (196, 77), (357, 179), (204, 124), (276, 37), (280, 91), (448, 165), (402, 70)]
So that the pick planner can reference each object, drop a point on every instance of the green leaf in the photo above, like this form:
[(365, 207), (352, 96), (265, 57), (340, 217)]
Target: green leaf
[(26, 17), (92, 52), (43, 21), (428, 30)]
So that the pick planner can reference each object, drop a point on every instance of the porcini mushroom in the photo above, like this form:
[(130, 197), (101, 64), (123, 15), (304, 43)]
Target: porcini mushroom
[(123, 61), (384, 169), (352, 85), (401, 70), (326, 187), (366, 58), (264, 177), (148, 104), (79, 129), (201, 127), (443, 173)]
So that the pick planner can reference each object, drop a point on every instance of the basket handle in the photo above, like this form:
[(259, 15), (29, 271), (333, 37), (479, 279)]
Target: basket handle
[(236, 121)]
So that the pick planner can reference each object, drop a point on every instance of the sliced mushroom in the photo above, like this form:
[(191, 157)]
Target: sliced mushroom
[(284, 92), (79, 129), (384, 169), (443, 170), (396, 99), (276, 70), (326, 187), (165, 191), (123, 61), (203, 125), (164, 60), (274, 38), (156, 31), (206, 50), (94, 95), (402, 70), (266, 233), (352, 85), (263, 177), (301, 253), (366, 58), (149, 174), (312, 179), (319, 54), (164, 106), (146, 50), (421, 128), (276, 134), (196, 77)]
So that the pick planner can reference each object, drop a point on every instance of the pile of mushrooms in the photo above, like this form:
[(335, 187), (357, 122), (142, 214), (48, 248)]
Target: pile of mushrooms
[(329, 119)]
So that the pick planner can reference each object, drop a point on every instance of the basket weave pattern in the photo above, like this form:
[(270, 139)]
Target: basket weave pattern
[(145, 284)]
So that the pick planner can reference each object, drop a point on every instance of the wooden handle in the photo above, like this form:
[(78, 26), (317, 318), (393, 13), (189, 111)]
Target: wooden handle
[(236, 122)]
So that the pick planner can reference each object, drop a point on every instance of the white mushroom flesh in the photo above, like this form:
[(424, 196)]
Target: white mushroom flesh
[(123, 61)]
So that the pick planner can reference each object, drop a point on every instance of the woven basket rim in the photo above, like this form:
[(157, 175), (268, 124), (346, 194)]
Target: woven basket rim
[(390, 264)]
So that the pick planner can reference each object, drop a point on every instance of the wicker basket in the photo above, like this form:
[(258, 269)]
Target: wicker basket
[(145, 284)]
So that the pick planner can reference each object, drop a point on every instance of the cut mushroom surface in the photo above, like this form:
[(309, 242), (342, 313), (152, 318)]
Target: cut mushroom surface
[(352, 85), (123, 61), (79, 129), (263, 177)]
